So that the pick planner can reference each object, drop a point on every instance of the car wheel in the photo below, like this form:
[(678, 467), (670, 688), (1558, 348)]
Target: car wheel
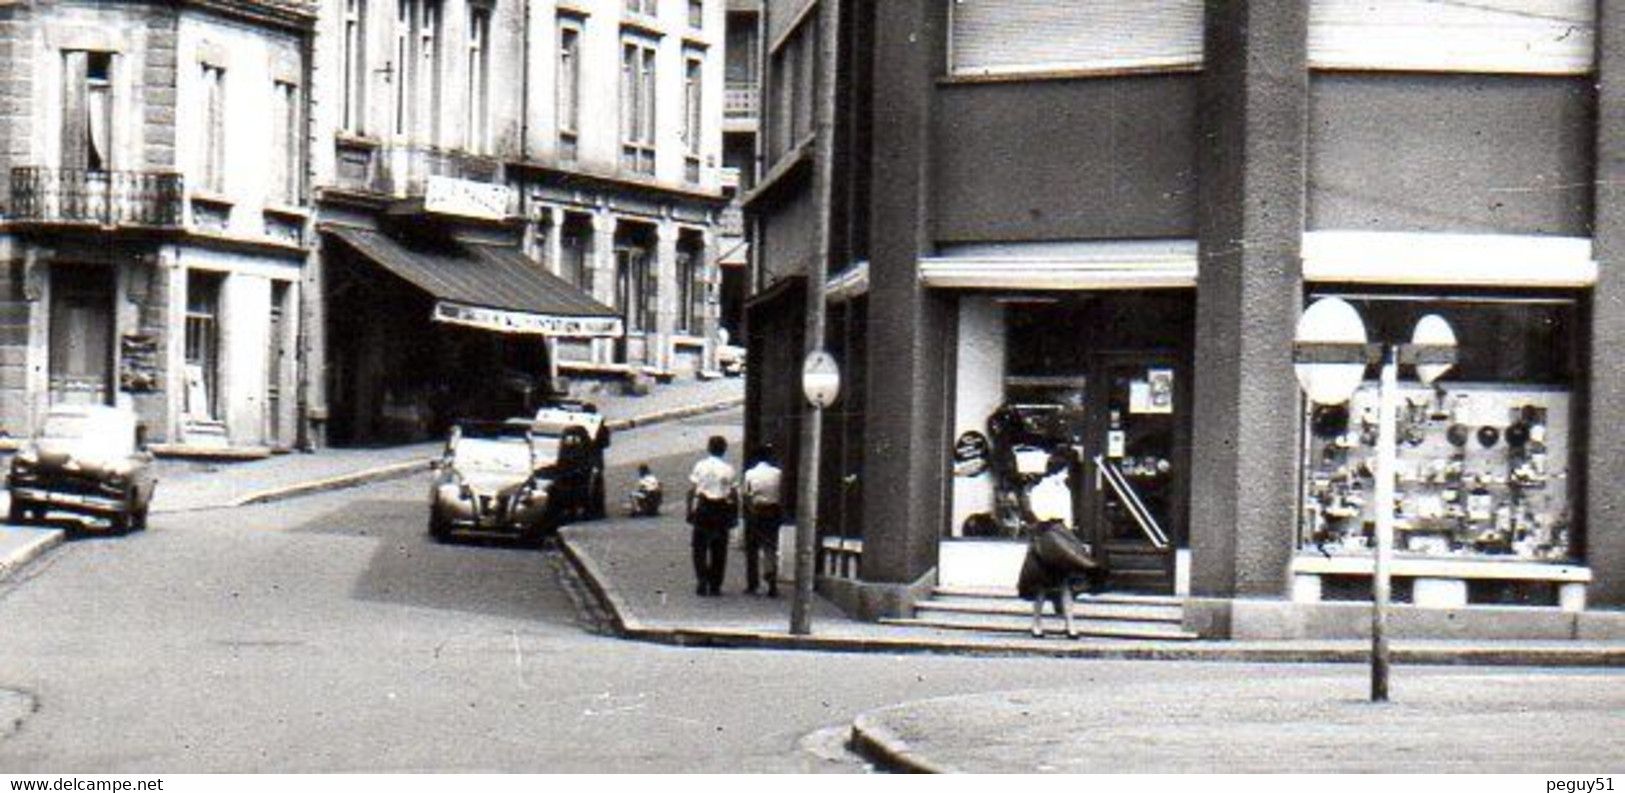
[(19, 513), (138, 519), (120, 523), (439, 529)]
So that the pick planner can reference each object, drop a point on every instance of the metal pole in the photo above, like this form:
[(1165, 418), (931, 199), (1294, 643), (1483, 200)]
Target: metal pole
[(829, 21), (1388, 396)]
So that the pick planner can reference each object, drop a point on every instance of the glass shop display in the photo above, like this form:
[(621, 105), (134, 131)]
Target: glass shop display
[(1482, 471)]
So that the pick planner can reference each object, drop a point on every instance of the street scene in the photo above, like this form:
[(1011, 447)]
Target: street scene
[(811, 386)]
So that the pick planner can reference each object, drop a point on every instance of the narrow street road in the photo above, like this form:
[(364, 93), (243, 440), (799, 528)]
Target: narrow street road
[(330, 634)]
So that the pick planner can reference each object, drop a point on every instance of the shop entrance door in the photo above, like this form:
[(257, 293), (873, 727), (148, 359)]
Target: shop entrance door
[(1135, 469), (81, 335)]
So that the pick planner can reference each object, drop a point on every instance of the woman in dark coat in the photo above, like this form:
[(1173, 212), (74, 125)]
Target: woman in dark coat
[(1058, 564)]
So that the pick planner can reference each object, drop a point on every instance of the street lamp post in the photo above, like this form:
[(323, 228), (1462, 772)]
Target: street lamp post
[(1330, 355)]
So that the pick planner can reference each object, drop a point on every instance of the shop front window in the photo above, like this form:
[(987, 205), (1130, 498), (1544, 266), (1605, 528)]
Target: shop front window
[(1485, 453)]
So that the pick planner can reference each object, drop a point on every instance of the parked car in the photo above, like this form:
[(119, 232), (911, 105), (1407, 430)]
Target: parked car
[(88, 460), (578, 430), (493, 478)]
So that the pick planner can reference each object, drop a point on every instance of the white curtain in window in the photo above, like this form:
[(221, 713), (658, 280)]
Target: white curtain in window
[(1015, 36), (99, 106), (1505, 36)]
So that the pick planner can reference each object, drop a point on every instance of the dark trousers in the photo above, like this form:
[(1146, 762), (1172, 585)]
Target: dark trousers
[(710, 546), (762, 543)]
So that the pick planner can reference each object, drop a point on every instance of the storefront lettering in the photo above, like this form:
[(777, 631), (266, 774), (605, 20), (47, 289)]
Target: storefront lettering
[(518, 322)]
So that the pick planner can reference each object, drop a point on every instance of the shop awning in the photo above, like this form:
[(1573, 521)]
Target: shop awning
[(488, 287)]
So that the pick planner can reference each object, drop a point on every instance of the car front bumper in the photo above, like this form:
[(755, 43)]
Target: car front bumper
[(495, 513), (85, 503)]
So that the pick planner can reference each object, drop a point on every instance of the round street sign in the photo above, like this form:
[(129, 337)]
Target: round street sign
[(820, 379), (1327, 324), (1433, 331)]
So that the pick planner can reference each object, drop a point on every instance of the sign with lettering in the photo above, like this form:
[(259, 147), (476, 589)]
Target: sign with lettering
[(444, 195), (501, 321)]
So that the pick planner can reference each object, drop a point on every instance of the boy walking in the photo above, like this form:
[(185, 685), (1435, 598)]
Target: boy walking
[(764, 512), (713, 509)]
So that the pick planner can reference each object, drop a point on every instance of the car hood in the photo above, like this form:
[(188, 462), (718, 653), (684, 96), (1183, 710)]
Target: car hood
[(53, 455), (490, 480)]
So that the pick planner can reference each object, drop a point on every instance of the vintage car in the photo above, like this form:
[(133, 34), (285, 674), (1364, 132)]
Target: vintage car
[(88, 460), (580, 433), (492, 478)]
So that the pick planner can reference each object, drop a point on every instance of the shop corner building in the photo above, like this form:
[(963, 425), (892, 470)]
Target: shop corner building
[(1088, 234), (154, 216)]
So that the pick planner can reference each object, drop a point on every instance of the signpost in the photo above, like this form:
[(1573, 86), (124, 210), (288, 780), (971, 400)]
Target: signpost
[(821, 384), (1330, 356)]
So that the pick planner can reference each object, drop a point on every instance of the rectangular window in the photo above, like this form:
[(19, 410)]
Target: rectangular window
[(569, 88), (354, 63), (213, 134), (644, 7), (634, 289), (690, 290), (429, 69), (638, 107), (87, 111), (1012, 37), (202, 343), (286, 142), (696, 14), (693, 94), (401, 74), (479, 80), (574, 253), (793, 84), (1507, 37), (1486, 452)]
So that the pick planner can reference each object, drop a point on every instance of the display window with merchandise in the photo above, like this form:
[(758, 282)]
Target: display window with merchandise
[(1486, 455)]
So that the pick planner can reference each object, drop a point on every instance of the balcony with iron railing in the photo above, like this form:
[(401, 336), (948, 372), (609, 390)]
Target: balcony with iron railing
[(111, 199), (741, 102)]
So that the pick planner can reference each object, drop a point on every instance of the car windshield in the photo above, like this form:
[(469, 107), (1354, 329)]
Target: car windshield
[(506, 453)]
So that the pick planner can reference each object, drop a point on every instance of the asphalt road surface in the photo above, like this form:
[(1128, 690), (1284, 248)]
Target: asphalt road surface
[(330, 634)]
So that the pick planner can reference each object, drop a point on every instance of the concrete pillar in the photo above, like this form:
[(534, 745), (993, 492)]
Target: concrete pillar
[(711, 305), (1250, 223), (553, 245), (601, 275), (658, 347), (905, 458), (1605, 451)]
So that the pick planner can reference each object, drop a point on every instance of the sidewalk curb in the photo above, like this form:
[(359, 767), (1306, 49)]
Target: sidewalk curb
[(353, 479), (629, 627), (20, 558), (673, 414), (402, 469), (874, 742)]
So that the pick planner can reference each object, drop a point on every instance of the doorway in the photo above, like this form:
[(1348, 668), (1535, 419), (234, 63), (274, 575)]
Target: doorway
[(81, 335), (1096, 381)]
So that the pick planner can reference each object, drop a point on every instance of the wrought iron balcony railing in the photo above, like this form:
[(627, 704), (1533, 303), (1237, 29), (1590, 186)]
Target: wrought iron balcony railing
[(105, 198)]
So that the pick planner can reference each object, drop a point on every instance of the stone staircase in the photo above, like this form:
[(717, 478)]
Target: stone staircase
[(1105, 616)]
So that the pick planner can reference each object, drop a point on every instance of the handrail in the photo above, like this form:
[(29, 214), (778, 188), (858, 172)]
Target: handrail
[(1136, 508)]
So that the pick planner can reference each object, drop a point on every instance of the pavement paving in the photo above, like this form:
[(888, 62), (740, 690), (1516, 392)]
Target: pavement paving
[(1479, 723)]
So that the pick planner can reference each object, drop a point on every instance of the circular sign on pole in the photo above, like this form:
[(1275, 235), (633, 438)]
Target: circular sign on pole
[(1330, 324), (820, 379), (1432, 331)]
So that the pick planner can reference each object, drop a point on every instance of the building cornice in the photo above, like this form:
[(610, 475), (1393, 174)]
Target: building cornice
[(296, 14), (600, 183)]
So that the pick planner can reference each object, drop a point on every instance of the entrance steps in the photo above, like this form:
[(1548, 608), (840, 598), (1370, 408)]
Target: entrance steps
[(998, 610)]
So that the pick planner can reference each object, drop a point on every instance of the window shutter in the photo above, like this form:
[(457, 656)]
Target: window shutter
[(1504, 36), (992, 37), (75, 112), (651, 293)]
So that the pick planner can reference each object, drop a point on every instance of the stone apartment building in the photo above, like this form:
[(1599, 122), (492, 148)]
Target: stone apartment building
[(1086, 232), (154, 216), (512, 196)]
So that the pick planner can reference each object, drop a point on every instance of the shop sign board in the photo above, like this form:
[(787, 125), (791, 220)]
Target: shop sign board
[(971, 453), (444, 195), (501, 321), (1329, 351), (820, 379)]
